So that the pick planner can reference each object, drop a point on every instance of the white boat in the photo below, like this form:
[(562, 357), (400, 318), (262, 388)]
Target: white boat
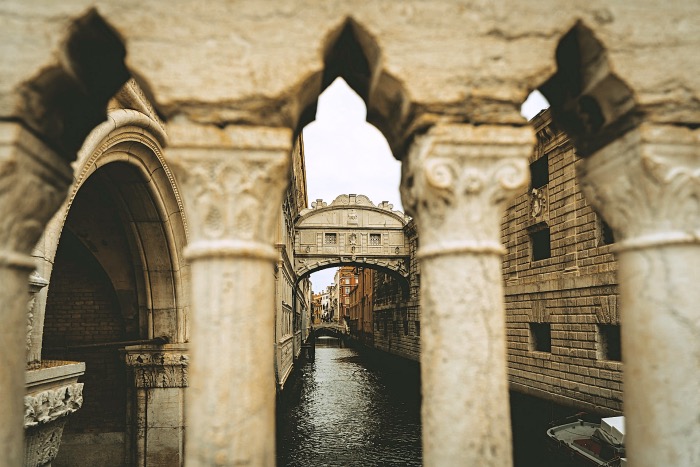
[(584, 443)]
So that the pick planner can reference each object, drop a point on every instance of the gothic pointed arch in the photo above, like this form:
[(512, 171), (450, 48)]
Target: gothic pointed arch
[(352, 52), (589, 100)]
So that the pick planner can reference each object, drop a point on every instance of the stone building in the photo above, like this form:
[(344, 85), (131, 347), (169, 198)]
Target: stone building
[(561, 290), (563, 325), (443, 80), (293, 294), (396, 308), (346, 281), (111, 291)]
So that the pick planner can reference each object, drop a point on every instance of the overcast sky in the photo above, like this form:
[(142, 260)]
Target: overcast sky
[(345, 154)]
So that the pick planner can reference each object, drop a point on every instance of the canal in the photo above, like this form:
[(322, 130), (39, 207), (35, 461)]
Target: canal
[(348, 409)]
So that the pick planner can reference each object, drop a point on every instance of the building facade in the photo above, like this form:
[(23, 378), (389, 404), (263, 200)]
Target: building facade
[(361, 321), (560, 289), (443, 81)]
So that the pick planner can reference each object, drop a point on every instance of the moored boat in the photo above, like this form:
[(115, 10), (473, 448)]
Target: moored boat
[(584, 443)]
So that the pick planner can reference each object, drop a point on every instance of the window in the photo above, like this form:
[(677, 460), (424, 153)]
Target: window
[(405, 327), (609, 346), (540, 243), (347, 281), (541, 337), (396, 328), (347, 290), (347, 300), (604, 232), (539, 172), (417, 328), (330, 239), (375, 239)]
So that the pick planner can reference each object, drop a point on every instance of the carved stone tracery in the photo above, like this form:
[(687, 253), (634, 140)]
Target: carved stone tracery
[(158, 368), (49, 405)]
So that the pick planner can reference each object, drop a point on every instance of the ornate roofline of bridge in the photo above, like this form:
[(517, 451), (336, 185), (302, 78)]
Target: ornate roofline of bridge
[(353, 201)]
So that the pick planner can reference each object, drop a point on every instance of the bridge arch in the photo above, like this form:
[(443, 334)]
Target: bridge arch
[(351, 231)]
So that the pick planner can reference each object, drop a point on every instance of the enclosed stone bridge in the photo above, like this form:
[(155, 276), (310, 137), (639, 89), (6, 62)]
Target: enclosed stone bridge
[(351, 231)]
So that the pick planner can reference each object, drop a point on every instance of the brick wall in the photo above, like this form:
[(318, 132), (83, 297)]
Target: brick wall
[(397, 310), (562, 318), (82, 308), (569, 300)]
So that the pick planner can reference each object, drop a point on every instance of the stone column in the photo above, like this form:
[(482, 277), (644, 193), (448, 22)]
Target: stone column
[(647, 186), (160, 379), (33, 183), (232, 180), (457, 181)]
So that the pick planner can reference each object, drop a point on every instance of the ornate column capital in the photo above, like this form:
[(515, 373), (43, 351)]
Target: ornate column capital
[(458, 177), (232, 181), (647, 186), (158, 367)]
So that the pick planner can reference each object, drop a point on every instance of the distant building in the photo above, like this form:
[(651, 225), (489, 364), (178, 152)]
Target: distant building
[(361, 321)]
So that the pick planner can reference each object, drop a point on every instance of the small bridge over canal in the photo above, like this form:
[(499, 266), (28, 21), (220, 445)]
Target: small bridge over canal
[(330, 330), (351, 231)]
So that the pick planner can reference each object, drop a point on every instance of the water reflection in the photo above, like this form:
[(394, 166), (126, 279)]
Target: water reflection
[(348, 410)]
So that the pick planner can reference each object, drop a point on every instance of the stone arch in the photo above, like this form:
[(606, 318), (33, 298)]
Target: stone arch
[(590, 102), (64, 101), (351, 52), (132, 139)]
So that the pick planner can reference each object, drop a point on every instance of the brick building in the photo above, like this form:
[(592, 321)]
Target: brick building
[(560, 289), (361, 305)]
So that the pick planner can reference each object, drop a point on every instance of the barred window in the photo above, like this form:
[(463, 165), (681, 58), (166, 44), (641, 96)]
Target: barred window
[(375, 239), (330, 239)]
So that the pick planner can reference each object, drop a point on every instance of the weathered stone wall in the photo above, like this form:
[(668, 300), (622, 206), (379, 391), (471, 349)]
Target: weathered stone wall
[(443, 81), (567, 295)]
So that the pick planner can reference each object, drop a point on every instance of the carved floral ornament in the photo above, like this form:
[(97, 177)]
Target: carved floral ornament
[(47, 406), (159, 369), (232, 180), (647, 184), (458, 180)]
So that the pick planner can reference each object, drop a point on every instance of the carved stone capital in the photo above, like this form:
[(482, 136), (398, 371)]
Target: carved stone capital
[(647, 186), (47, 406), (232, 180), (33, 184), (457, 181), (158, 367)]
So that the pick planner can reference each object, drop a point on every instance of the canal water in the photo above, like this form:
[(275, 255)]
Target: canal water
[(349, 409)]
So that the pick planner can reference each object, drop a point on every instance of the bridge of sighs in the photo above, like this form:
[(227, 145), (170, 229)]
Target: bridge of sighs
[(350, 231)]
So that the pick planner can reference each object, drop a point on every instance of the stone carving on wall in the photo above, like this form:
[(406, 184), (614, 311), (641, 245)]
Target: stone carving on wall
[(49, 405), (607, 312), (539, 211), (43, 443), (158, 369)]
